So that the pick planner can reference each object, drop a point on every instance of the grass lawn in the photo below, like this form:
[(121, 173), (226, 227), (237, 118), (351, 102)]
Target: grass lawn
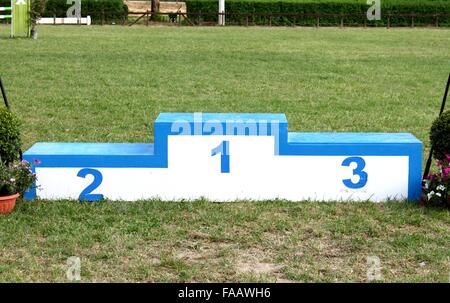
[(107, 84)]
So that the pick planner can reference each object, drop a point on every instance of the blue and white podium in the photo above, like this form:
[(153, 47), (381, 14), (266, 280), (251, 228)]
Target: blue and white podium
[(228, 157)]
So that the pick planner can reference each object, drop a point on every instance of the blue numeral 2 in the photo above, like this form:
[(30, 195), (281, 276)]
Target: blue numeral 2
[(86, 193), (360, 165), (223, 149)]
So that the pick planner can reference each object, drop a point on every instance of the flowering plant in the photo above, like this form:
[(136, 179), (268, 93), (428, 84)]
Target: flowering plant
[(436, 187), (16, 177)]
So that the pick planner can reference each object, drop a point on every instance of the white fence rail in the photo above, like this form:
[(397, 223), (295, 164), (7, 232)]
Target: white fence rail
[(62, 21)]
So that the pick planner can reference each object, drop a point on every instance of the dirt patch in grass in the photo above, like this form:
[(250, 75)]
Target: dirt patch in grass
[(197, 255), (256, 262), (257, 267)]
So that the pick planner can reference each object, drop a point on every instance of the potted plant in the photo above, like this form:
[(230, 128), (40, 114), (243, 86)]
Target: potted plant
[(436, 186), (37, 8), (15, 179), (15, 176)]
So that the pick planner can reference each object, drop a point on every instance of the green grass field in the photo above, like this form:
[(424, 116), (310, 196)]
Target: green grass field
[(107, 84)]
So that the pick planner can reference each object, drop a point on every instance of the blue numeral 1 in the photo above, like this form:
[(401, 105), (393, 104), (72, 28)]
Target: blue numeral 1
[(223, 149), (86, 193), (360, 165)]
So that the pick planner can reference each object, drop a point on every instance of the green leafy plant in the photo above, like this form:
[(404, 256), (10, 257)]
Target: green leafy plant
[(440, 136), (9, 136), (37, 8), (16, 178)]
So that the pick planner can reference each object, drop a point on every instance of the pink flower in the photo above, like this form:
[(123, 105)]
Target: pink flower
[(440, 163), (446, 170), (24, 162), (447, 157), (37, 161)]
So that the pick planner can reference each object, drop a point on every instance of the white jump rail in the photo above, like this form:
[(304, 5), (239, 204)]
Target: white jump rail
[(5, 9), (65, 21)]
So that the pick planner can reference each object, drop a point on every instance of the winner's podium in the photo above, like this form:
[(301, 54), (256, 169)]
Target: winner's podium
[(228, 157)]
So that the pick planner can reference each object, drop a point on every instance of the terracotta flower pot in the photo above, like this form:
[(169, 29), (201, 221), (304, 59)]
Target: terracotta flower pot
[(7, 203)]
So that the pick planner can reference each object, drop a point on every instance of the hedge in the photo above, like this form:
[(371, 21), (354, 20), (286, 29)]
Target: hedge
[(108, 10), (111, 10), (209, 8), (99, 10), (5, 3)]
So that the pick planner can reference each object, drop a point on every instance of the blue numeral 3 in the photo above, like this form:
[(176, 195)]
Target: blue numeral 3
[(86, 193), (358, 171)]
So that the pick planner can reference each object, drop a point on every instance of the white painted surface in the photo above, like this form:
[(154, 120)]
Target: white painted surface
[(255, 174), (221, 11), (61, 21)]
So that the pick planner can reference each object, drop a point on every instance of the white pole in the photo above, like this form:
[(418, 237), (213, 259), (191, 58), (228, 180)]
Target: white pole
[(221, 11)]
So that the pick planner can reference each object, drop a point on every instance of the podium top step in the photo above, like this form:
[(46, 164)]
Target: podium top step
[(351, 138)]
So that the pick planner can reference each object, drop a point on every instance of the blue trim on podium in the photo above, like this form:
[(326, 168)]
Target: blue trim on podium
[(134, 155)]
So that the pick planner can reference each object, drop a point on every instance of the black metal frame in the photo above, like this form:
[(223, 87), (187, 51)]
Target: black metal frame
[(4, 94), (430, 156)]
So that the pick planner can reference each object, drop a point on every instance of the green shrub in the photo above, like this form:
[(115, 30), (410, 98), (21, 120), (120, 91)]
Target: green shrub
[(114, 10), (106, 10), (440, 136), (209, 8), (9, 136)]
